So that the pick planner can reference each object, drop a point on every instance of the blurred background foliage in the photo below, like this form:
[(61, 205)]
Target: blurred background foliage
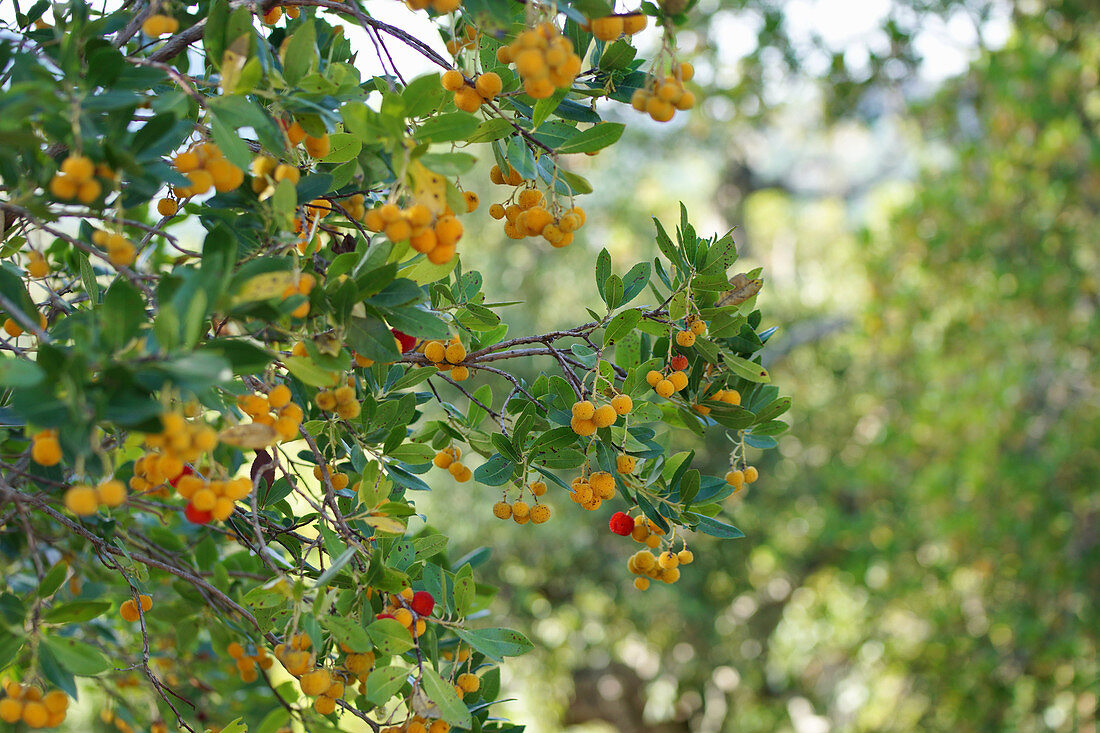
[(921, 181)]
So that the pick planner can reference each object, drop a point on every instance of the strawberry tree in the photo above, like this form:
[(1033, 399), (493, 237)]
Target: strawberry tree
[(239, 340)]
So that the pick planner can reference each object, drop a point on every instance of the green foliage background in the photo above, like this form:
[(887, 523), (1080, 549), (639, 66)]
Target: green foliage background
[(924, 553)]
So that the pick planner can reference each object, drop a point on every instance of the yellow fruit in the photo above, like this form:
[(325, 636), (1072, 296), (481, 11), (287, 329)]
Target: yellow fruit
[(452, 80), (679, 380), (469, 682), (607, 29), (502, 510), (539, 513), (81, 500), (735, 478), (167, 207), (35, 714), (652, 377), (468, 100), (11, 710), (443, 459), (455, 352), (641, 583), (316, 682), (318, 147), (112, 493), (622, 404), (583, 428), (634, 23), (235, 650), (324, 705), (604, 416), (584, 410), (685, 339), (685, 556), (664, 388), (128, 611), (78, 166), (624, 463), (751, 474), (488, 85), (460, 374)]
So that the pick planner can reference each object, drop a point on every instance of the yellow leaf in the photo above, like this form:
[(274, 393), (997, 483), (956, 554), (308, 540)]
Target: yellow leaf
[(429, 188), (264, 286), (742, 288), (253, 435), (386, 524)]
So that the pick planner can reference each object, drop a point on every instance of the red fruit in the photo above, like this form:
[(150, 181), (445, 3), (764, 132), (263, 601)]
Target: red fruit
[(381, 616), (187, 471), (423, 602), (621, 523), (408, 343), (679, 362), (197, 516)]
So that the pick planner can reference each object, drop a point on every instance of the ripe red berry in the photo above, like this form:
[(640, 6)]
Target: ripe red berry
[(407, 341), (381, 616), (423, 602), (197, 516), (621, 523), (187, 471), (679, 362)]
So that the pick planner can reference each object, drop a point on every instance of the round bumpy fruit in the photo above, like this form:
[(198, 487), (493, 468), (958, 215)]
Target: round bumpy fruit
[(621, 523)]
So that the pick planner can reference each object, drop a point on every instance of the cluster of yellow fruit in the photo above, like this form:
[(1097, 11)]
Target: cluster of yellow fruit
[(646, 532), (275, 409), (520, 511), (512, 178), (448, 459), (83, 500), (14, 330), (157, 25), (45, 448), (206, 167), (591, 491), (544, 59), (665, 386), (76, 179), (336, 478), (26, 703), (447, 356), (728, 396), (340, 400), (37, 266), (587, 418), (664, 567), (316, 682), (467, 683), (686, 337), (528, 217), (402, 609), (214, 496), (247, 663), (660, 98), (120, 250), (180, 440), (419, 724), (317, 147), (434, 236), (304, 286), (129, 609), (468, 39), (611, 27), (267, 171), (469, 99), (738, 477), (272, 16), (358, 666)]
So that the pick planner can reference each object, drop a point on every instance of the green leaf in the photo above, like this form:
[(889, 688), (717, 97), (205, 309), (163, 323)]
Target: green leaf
[(384, 682), (52, 580), (349, 632), (496, 643), (451, 708), (621, 325), (746, 369), (81, 659), (10, 645), (771, 427), (232, 146), (490, 130), (336, 566), (774, 409), (389, 637), (414, 453), (613, 292), (19, 373), (603, 270), (447, 127), (635, 281), (545, 107), (11, 287), (76, 612), (370, 338), (713, 527), (449, 164), (594, 138), (345, 147), (301, 53), (495, 472)]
